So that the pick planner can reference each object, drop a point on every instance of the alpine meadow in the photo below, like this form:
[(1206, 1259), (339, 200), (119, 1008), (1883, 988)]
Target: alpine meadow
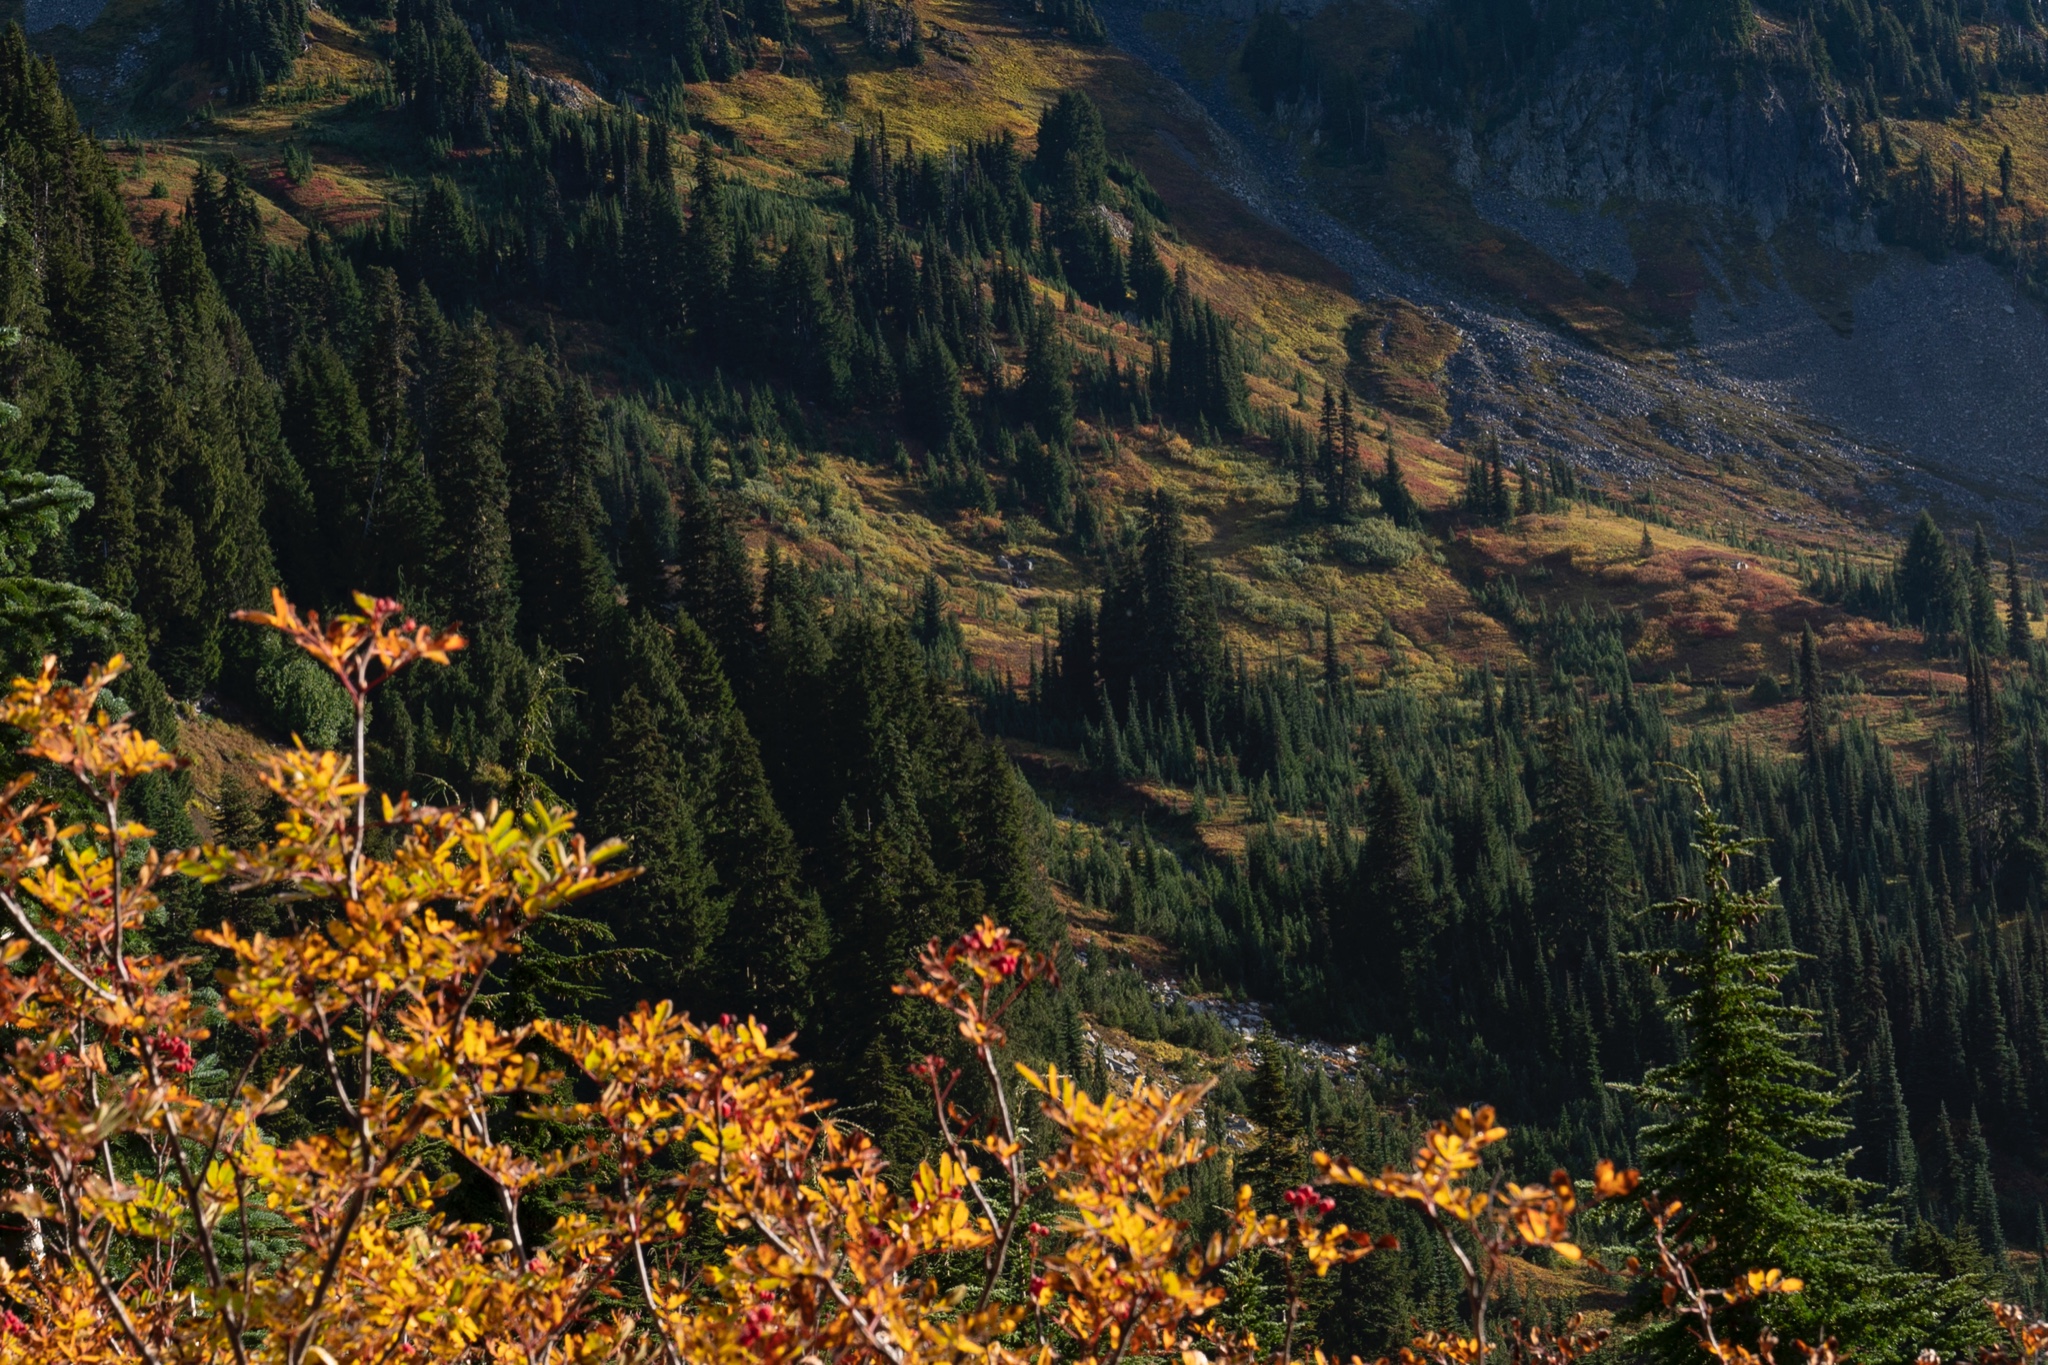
[(1023, 682)]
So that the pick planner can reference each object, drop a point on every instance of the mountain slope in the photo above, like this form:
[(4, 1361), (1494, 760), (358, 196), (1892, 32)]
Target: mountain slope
[(758, 385)]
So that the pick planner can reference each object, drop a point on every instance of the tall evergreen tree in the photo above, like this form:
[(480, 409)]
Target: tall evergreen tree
[(717, 578), (708, 250), (1739, 1118), (567, 590), (1987, 633), (1395, 500), (1812, 695), (1926, 581), (1979, 1193), (1581, 866), (1391, 915), (2019, 632), (205, 425), (1159, 633), (1048, 391), (669, 916), (1884, 1126), (466, 436), (328, 431)]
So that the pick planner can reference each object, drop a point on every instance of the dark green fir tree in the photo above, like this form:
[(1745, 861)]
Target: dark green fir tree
[(1739, 1120)]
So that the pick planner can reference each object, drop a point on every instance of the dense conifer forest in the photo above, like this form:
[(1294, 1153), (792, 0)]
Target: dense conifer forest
[(1459, 880)]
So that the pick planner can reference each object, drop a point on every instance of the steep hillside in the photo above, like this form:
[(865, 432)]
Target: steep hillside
[(1761, 200), (1663, 443), (1344, 497)]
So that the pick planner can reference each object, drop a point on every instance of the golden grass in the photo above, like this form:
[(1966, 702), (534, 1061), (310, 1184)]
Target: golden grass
[(1420, 623)]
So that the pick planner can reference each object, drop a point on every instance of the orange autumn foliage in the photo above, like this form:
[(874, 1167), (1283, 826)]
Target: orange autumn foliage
[(148, 1178), (718, 1211)]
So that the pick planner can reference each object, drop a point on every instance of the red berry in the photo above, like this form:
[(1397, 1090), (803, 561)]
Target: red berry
[(173, 1054)]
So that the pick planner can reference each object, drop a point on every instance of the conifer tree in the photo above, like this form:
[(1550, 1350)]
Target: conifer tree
[(1979, 1195), (669, 916), (1987, 634), (1812, 696), (1341, 486), (708, 250), (40, 614), (1279, 1160), (1151, 283), (1048, 392), (1333, 666), (204, 416), (1926, 581), (1579, 862), (1391, 914), (717, 578), (567, 590), (446, 242), (931, 624), (1395, 500), (1159, 631), (1477, 500), (466, 434), (329, 433), (1946, 1176), (932, 400), (1072, 156), (2019, 632), (1739, 1117), (1884, 1125), (889, 897), (106, 467), (775, 933), (1327, 450)]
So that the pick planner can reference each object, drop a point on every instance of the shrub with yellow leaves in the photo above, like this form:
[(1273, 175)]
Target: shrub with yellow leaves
[(1485, 1227), (167, 1224)]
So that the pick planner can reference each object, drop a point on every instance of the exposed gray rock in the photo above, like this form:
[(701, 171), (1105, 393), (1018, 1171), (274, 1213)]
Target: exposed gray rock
[(1542, 393), (47, 14), (1585, 240), (1943, 361), (110, 83), (1604, 126)]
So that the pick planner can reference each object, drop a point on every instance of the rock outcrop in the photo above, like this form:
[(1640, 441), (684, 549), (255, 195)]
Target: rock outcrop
[(1607, 124)]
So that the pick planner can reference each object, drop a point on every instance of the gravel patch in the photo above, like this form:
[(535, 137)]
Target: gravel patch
[(1943, 361), (47, 14), (1582, 240)]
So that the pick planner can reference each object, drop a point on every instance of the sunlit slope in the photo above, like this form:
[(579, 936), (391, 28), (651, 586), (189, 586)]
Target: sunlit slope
[(1714, 599)]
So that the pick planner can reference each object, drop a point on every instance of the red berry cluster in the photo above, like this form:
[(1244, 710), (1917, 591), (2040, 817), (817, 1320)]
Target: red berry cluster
[(757, 1322), (1305, 1201), (1006, 955), (173, 1054)]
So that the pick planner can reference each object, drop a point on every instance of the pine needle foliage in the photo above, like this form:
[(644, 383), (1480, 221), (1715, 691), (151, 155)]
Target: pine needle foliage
[(1752, 1135)]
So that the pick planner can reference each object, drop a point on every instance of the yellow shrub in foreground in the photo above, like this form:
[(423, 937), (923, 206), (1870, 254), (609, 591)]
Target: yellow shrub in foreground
[(164, 1223)]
